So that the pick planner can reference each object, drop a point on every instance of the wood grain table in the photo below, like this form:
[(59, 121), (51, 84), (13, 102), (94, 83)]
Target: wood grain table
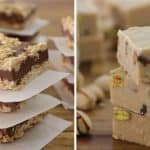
[(53, 11)]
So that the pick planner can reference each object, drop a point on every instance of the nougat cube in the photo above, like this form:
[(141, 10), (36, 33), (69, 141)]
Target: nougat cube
[(134, 53)]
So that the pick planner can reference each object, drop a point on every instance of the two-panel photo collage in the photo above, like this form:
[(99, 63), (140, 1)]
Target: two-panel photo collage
[(74, 74)]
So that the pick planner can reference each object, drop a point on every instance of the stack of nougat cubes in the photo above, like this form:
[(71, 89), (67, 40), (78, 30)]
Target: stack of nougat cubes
[(130, 86), (87, 30), (99, 22)]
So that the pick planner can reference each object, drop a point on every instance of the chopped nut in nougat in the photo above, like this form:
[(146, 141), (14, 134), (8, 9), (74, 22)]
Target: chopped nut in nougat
[(128, 94), (134, 53), (131, 127), (127, 13), (15, 15), (20, 61), (117, 78)]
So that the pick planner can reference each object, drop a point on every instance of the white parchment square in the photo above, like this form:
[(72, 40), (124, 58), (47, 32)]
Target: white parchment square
[(30, 30)]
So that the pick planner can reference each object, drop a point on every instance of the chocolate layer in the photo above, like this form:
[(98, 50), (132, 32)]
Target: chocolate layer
[(25, 67), (15, 17), (12, 133), (9, 107)]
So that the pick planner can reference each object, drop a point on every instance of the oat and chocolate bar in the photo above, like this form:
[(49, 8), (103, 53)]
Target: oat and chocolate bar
[(68, 30), (130, 126), (127, 94), (9, 107), (15, 15), (87, 18), (15, 132), (128, 13), (134, 53), (20, 61)]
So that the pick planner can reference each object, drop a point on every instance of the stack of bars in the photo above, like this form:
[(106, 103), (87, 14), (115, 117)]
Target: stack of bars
[(130, 86), (67, 29), (67, 61), (68, 32), (20, 62)]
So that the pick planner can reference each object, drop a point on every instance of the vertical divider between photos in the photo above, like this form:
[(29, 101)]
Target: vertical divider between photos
[(75, 74)]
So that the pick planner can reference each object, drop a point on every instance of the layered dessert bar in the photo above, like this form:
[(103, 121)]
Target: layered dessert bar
[(87, 18), (68, 30), (10, 107), (130, 126), (20, 62), (134, 53), (15, 132), (129, 13), (127, 94), (15, 15), (68, 62)]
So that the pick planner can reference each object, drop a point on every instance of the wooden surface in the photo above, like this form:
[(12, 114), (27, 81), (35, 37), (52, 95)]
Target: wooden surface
[(53, 11)]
